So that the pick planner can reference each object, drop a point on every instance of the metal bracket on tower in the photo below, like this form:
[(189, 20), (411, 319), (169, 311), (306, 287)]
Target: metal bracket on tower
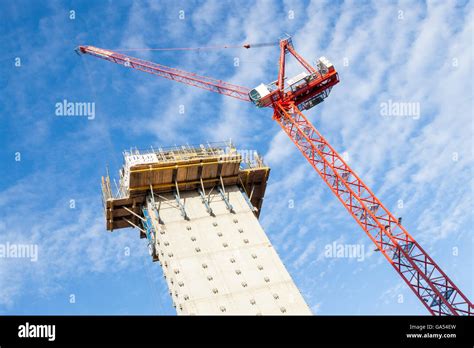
[(151, 234), (152, 201), (133, 225), (178, 200), (223, 195), (205, 200), (247, 199), (133, 213), (152, 197)]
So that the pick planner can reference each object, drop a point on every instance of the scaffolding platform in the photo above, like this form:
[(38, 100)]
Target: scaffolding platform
[(180, 169)]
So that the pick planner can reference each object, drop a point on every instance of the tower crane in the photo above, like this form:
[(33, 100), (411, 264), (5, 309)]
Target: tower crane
[(287, 98)]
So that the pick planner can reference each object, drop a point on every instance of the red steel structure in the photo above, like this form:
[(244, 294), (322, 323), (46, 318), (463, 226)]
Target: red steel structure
[(430, 284), (182, 76)]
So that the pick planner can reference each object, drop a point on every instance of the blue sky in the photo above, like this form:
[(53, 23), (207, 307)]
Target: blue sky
[(413, 52)]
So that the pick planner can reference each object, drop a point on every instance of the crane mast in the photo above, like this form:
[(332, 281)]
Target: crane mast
[(423, 276)]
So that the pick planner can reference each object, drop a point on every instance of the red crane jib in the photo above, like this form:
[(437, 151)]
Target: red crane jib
[(424, 277)]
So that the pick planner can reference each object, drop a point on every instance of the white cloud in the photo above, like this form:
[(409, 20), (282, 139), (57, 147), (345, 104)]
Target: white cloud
[(305, 255)]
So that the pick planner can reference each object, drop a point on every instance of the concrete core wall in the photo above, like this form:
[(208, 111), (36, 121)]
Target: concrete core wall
[(222, 264)]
